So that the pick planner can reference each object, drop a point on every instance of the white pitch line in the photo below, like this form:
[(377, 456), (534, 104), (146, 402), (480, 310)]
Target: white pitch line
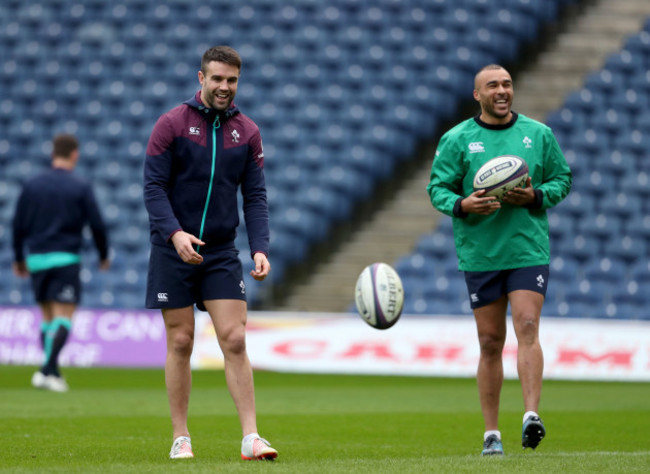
[(599, 453)]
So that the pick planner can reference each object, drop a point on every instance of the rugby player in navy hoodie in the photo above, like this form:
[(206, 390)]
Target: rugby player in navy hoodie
[(198, 156), (52, 210)]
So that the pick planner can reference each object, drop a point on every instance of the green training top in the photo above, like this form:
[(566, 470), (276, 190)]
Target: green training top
[(513, 236)]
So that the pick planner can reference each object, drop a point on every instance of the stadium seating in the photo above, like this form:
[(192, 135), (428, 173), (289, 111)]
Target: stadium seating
[(343, 91)]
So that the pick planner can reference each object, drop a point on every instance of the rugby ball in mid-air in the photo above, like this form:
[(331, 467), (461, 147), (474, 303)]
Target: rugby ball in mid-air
[(379, 295), (500, 175)]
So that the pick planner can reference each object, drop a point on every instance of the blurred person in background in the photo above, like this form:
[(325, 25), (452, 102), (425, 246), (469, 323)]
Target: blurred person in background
[(502, 247), (198, 156), (51, 213)]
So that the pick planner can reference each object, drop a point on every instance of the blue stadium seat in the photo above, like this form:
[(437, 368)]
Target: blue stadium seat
[(614, 163), (580, 247), (604, 225), (634, 142), (544, 11), (287, 246), (567, 120), (301, 221), (639, 43), (626, 247), (577, 204), (325, 202), (642, 121), (599, 85), (347, 181), (510, 22), (629, 101), (611, 120), (606, 270), (622, 205), (594, 183), (625, 62), (437, 245), (590, 292), (639, 227), (631, 292), (589, 141), (567, 309), (560, 226), (564, 268), (495, 44), (640, 272), (584, 101)]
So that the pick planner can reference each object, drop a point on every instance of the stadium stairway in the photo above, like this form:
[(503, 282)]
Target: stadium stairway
[(541, 86)]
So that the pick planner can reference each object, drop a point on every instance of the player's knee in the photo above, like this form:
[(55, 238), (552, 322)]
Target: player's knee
[(181, 343), (491, 345), (234, 342), (528, 329)]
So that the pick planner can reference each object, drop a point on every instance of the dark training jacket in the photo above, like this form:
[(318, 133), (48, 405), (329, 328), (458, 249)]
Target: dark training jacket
[(195, 161), (51, 212)]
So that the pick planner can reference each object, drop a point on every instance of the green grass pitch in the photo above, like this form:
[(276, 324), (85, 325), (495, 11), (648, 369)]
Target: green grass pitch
[(117, 420)]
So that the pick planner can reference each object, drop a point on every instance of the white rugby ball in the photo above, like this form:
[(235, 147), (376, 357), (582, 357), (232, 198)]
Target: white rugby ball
[(379, 295), (500, 175)]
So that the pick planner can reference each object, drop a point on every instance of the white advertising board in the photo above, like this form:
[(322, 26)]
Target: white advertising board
[(443, 346)]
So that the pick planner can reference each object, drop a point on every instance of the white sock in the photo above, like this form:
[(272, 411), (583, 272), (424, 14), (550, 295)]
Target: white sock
[(528, 414), (497, 433), (250, 436)]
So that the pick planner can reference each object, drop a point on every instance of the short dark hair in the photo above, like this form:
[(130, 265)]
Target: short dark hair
[(221, 54), (491, 67), (64, 145)]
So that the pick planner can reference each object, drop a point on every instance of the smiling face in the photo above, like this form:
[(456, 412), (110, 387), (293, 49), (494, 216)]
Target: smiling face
[(218, 85), (493, 91)]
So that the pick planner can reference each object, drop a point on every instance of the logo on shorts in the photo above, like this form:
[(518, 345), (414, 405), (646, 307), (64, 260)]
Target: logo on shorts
[(66, 293), (540, 281), (474, 297), (162, 298), (243, 287)]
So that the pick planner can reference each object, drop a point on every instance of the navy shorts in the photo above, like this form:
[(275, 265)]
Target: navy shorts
[(487, 287), (172, 283), (60, 284)]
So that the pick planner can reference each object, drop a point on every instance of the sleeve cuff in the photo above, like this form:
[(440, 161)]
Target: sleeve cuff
[(539, 200), (169, 239), (458, 210)]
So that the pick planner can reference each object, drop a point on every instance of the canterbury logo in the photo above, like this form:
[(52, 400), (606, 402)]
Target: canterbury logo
[(162, 298), (195, 131), (476, 147)]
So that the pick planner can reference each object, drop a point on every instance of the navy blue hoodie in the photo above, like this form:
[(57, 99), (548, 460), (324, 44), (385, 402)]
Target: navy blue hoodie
[(196, 160), (51, 212)]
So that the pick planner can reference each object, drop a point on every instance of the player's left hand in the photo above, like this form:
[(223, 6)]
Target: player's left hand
[(262, 266), (20, 269), (521, 196)]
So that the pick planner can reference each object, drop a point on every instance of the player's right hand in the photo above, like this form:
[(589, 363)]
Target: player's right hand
[(476, 204), (184, 244)]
